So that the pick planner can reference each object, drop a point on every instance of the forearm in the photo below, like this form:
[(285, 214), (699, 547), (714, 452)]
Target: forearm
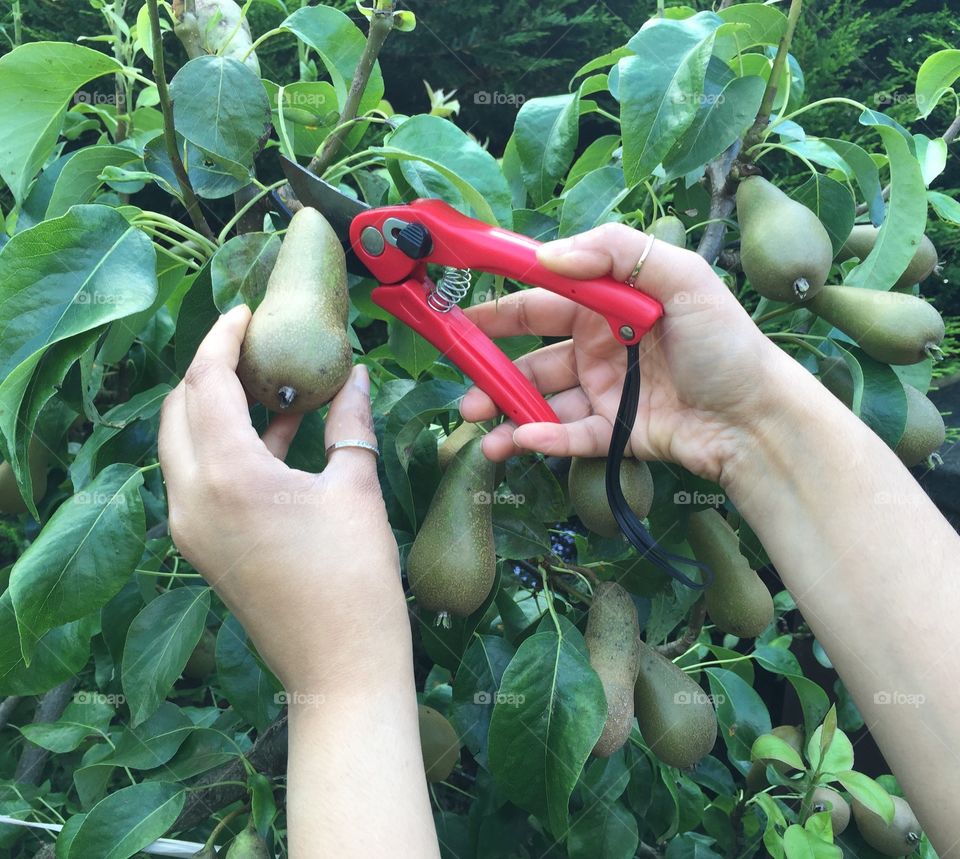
[(355, 780), (873, 567)]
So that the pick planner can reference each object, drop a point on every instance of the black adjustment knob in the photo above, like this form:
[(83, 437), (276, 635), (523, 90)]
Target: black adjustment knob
[(414, 240)]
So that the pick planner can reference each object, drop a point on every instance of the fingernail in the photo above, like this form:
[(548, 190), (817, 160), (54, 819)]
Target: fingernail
[(556, 248), (361, 379)]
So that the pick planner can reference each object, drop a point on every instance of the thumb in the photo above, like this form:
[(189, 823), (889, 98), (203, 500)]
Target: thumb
[(349, 420), (614, 249)]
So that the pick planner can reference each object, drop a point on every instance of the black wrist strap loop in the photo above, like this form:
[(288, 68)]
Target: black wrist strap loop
[(640, 538)]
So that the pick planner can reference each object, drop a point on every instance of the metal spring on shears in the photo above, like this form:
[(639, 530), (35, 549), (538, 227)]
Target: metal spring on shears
[(450, 290)]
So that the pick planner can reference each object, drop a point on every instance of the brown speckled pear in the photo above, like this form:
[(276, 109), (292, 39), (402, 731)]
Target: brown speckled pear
[(452, 563), (586, 484), (669, 229), (613, 642), (827, 799), (899, 838), (439, 744), (296, 355)]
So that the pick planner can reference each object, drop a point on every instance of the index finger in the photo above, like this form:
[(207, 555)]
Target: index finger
[(215, 400)]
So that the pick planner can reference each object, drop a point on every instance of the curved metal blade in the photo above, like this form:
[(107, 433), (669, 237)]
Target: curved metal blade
[(334, 205)]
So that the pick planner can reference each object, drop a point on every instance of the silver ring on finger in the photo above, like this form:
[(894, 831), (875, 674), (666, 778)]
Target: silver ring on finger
[(353, 442)]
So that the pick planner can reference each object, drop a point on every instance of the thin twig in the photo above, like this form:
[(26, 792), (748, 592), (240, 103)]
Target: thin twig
[(50, 709), (169, 132), (698, 615), (380, 26), (722, 203), (7, 706)]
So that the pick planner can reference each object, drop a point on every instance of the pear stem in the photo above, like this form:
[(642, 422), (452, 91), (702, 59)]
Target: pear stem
[(220, 826), (672, 649), (381, 23)]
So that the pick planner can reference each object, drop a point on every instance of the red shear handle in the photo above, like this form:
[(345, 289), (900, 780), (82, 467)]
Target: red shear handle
[(467, 243), (469, 348)]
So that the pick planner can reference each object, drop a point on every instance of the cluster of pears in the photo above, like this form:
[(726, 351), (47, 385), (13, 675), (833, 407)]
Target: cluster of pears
[(900, 837), (451, 567), (675, 717), (296, 354)]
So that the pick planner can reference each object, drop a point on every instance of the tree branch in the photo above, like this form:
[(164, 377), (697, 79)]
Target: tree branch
[(268, 756), (380, 26), (698, 615), (169, 133), (51, 707), (7, 706)]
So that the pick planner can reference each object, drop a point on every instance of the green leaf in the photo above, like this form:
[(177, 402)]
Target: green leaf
[(832, 203), (220, 106), (772, 747), (796, 843), (946, 207), (414, 354), (865, 170), (759, 25), (142, 406), (82, 557), (828, 731), (721, 119), (906, 218), (128, 820), (80, 178), (932, 155), (740, 711), (440, 160), (936, 75), (476, 687), (660, 88), (839, 756), (545, 135), (196, 317), (340, 44), (604, 831), (59, 654), (530, 477), (598, 154), (517, 535), (159, 643), (240, 269), (775, 825), (544, 728), (37, 81), (84, 716), (605, 779), (878, 395), (251, 690), (867, 791), (152, 743), (591, 200), (67, 276)]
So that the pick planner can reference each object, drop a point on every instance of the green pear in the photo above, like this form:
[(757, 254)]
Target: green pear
[(450, 446), (587, 486), (738, 602), (11, 501), (785, 251), (827, 799), (757, 774), (675, 716), (452, 563), (864, 236), (296, 354), (208, 851), (203, 661), (899, 838), (439, 744), (923, 432), (669, 229), (613, 643), (890, 327), (248, 845)]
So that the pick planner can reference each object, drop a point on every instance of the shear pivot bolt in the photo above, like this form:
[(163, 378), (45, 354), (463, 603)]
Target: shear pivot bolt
[(626, 332), (372, 240)]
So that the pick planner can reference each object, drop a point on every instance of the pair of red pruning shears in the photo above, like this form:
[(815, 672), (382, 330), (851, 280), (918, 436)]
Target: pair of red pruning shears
[(394, 244)]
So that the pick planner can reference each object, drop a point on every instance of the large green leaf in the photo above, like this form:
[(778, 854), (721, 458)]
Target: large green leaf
[(82, 557), (660, 88), (476, 687), (442, 161), (80, 178), (878, 395), (340, 44), (84, 716), (758, 24), (240, 269), (549, 715), (603, 831), (159, 643), (545, 136), (220, 106), (906, 218), (832, 203), (153, 742), (250, 689), (36, 82), (740, 711), (721, 119), (128, 820), (59, 654), (591, 200), (936, 75), (866, 172)]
